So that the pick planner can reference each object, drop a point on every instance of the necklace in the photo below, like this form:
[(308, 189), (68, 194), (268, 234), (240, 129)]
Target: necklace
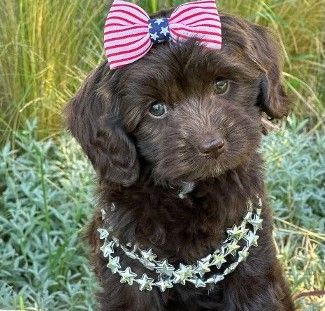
[(167, 274)]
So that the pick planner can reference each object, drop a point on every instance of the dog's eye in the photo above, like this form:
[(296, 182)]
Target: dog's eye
[(157, 109), (221, 86)]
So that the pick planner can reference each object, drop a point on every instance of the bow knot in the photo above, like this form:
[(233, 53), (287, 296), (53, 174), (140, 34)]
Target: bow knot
[(130, 33), (159, 30)]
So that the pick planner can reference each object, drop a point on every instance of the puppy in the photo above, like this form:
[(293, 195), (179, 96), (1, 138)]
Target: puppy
[(174, 138)]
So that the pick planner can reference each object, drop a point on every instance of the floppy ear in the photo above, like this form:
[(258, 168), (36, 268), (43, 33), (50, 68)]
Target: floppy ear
[(272, 98), (93, 119)]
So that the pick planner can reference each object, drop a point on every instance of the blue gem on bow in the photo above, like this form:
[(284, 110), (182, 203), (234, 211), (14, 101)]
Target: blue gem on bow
[(159, 30)]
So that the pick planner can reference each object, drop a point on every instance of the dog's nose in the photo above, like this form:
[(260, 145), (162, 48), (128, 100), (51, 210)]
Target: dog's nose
[(213, 146)]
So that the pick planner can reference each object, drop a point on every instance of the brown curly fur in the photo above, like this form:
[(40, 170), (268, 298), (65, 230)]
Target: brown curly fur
[(142, 161)]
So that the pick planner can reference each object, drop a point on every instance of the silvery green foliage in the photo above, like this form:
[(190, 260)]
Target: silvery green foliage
[(45, 201), (31, 227), (295, 174)]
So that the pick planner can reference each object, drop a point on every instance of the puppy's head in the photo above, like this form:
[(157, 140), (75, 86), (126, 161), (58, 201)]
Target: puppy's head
[(182, 112)]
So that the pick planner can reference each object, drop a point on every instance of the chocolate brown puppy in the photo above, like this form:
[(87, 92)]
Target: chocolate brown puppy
[(174, 138)]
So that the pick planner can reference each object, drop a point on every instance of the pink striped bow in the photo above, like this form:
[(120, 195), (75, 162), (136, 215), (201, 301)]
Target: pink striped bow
[(129, 32)]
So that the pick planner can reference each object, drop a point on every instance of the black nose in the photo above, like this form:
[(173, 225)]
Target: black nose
[(213, 146)]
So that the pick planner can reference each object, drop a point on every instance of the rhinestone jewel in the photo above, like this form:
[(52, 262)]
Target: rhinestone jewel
[(183, 273), (165, 268), (218, 260), (256, 222), (237, 233), (114, 263), (232, 248), (251, 239), (198, 282), (108, 248), (103, 233), (217, 278), (145, 282), (202, 267), (127, 276), (148, 255), (164, 284), (243, 254)]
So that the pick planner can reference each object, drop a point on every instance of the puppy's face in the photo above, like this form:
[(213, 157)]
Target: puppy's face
[(191, 112), (184, 112)]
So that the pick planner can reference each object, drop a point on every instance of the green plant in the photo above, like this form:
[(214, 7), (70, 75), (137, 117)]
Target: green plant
[(47, 47), (46, 198)]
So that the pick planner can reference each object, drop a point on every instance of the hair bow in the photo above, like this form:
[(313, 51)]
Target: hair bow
[(130, 33)]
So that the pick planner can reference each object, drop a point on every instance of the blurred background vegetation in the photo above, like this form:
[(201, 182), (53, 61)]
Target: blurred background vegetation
[(47, 48)]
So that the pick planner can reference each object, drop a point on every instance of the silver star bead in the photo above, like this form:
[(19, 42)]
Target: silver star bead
[(103, 233), (232, 248), (159, 21), (256, 222), (148, 255), (114, 263), (198, 282), (165, 268), (217, 278), (107, 248), (243, 254), (218, 259), (248, 216), (202, 267), (145, 282), (127, 276), (164, 30), (183, 273), (251, 239), (154, 36), (164, 284), (236, 233), (231, 268)]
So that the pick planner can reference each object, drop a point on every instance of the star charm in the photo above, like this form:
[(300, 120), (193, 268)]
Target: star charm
[(243, 254), (198, 282), (145, 282), (103, 233), (108, 248), (164, 30), (217, 278), (256, 222), (236, 233), (251, 239), (165, 268), (248, 216), (202, 267), (159, 21), (232, 247), (154, 36), (231, 268), (114, 263), (127, 276), (164, 284), (148, 255), (218, 260), (183, 273)]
